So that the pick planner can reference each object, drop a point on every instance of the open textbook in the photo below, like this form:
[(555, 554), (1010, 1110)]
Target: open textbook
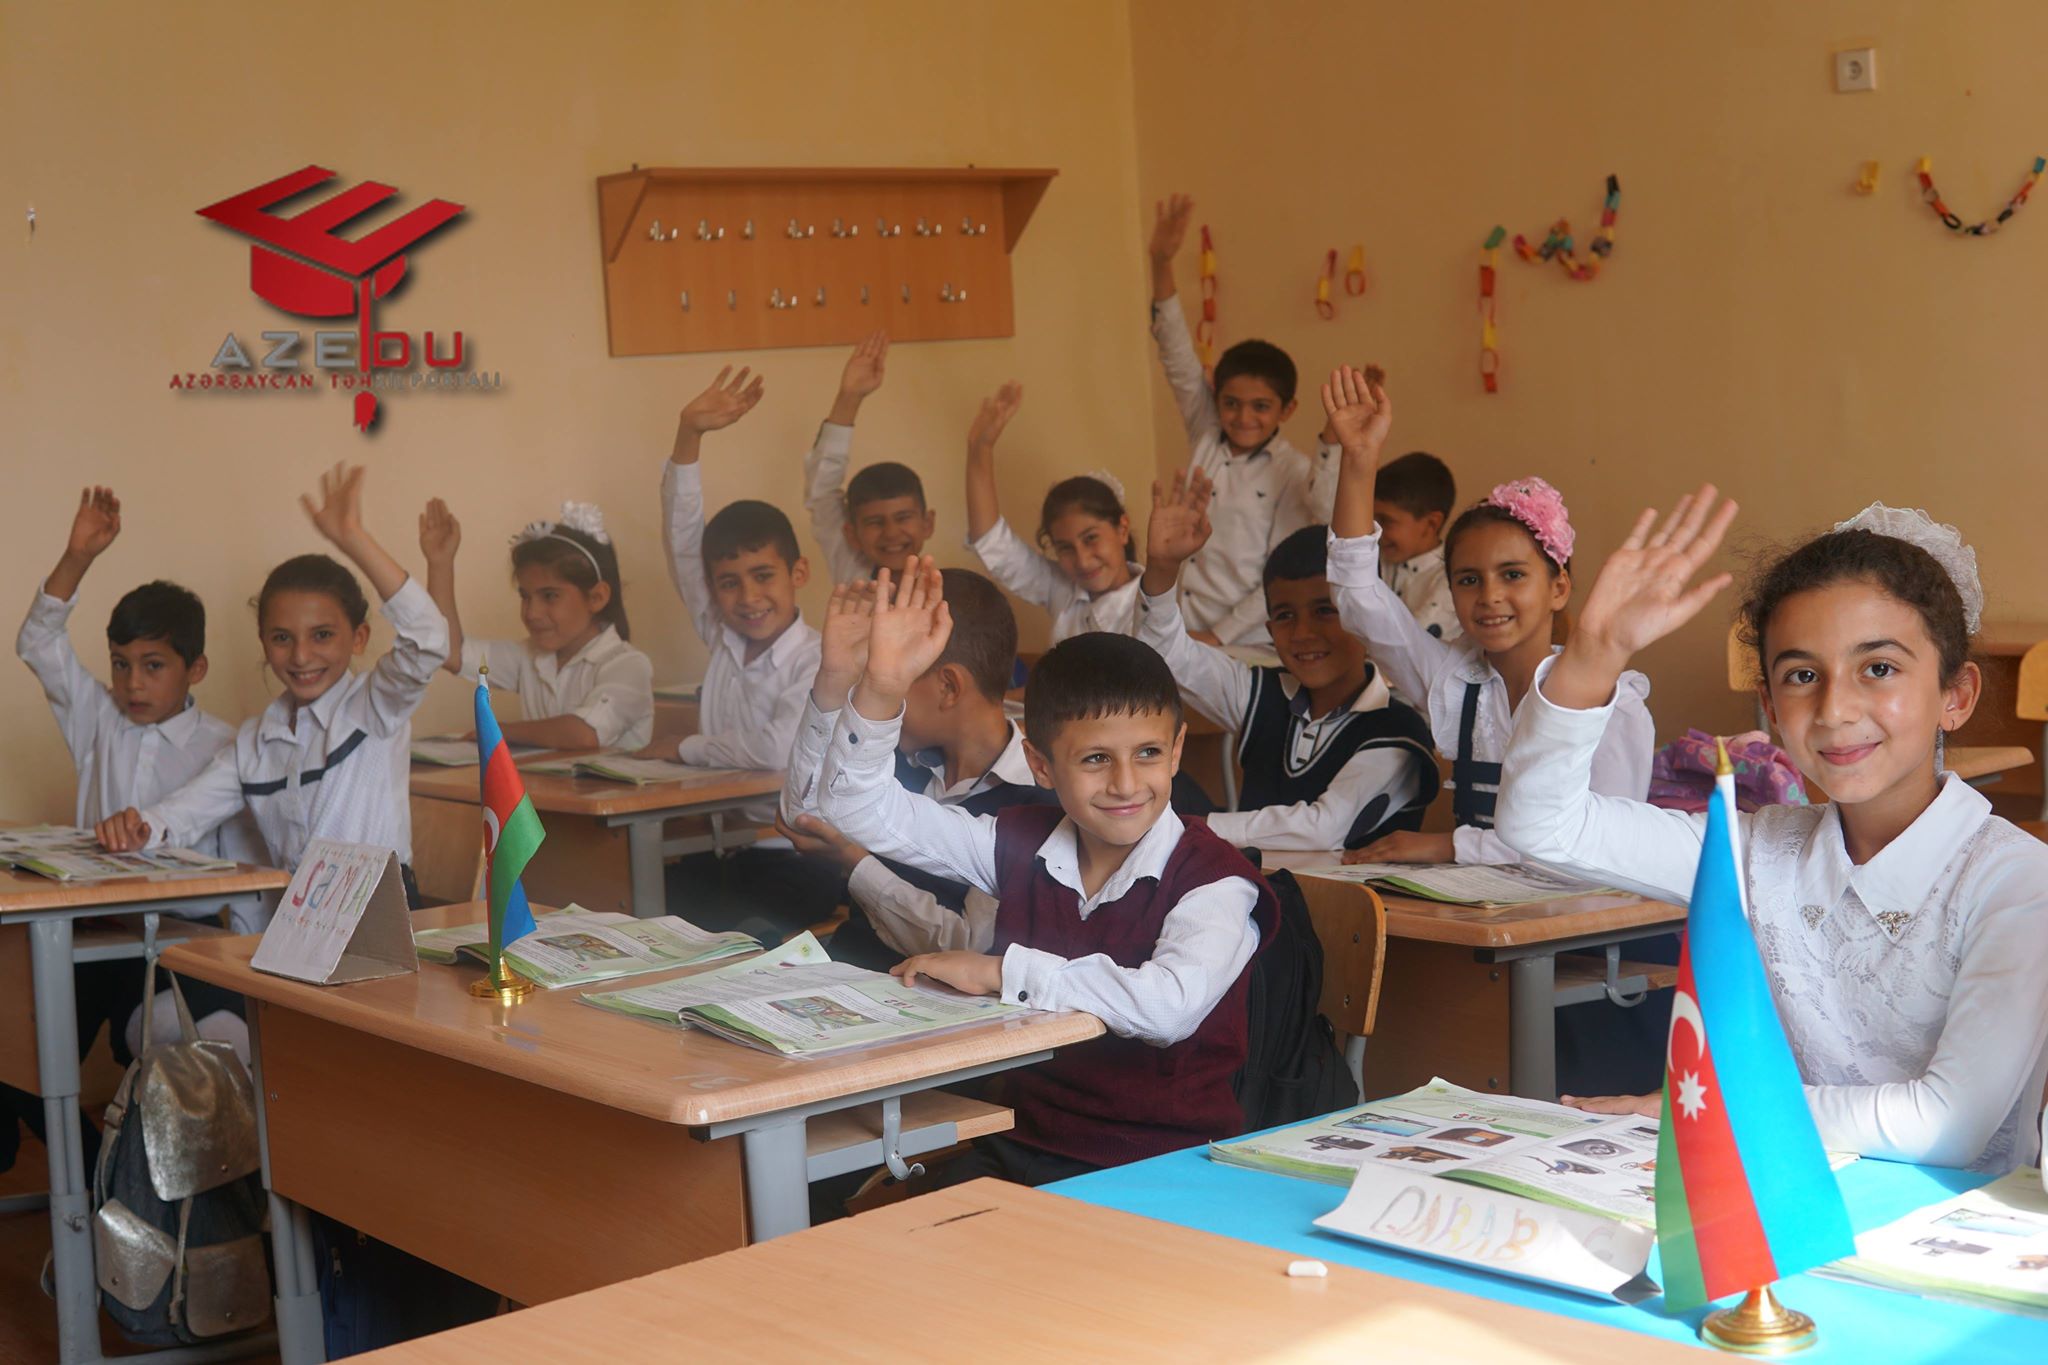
[(572, 946), (622, 767), (67, 854), (1482, 884), (454, 751), (795, 1001), (1989, 1246)]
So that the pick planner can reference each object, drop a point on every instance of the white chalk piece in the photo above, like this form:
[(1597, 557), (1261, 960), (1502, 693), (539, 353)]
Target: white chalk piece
[(1306, 1270)]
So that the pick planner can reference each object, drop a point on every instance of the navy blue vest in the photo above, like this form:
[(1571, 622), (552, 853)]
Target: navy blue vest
[(1276, 775)]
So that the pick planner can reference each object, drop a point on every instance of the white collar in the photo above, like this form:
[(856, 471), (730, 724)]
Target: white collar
[(598, 649), (776, 655), (1061, 854), (1371, 697), (1899, 878), (1429, 558), (182, 727), (1120, 593), (1010, 767), (277, 717)]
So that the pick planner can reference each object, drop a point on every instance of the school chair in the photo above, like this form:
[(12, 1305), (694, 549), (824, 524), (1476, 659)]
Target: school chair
[(1351, 923), (447, 850), (2033, 704)]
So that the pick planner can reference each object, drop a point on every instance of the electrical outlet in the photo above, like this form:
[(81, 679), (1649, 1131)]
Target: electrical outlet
[(1855, 69)]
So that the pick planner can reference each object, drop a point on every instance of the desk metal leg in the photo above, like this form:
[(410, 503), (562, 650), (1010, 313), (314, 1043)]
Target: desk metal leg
[(78, 1309), (643, 860), (778, 1180), (1532, 1027), (1230, 770), (301, 1332)]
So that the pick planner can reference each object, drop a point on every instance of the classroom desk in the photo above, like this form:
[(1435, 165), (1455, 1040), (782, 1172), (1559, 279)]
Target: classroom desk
[(1858, 1324), (546, 1148), (43, 1018), (994, 1271), (1974, 762), (1997, 650), (579, 859), (1445, 1009)]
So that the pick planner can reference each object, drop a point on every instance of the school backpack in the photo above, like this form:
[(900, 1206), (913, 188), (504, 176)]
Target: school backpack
[(1293, 1070), (178, 1205)]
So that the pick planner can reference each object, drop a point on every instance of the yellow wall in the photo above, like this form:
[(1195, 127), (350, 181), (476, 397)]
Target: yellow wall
[(121, 120), (1809, 348)]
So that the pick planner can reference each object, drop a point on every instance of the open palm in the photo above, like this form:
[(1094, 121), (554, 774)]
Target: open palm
[(339, 513), (730, 397), (910, 626), (1180, 518), (97, 522), (867, 366), (995, 414), (1170, 226), (1645, 590)]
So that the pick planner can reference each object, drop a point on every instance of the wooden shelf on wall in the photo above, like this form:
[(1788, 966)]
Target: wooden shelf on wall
[(744, 258)]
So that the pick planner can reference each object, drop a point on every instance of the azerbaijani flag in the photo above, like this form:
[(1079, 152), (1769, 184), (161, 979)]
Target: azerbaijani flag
[(512, 830), (1744, 1193)]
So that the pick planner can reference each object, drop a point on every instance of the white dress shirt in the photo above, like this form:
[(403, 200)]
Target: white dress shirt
[(1204, 944), (1041, 582), (1220, 688), (1424, 586), (825, 500), (607, 684), (1260, 500), (1913, 988), (120, 764), (1432, 674), (342, 772), (748, 710)]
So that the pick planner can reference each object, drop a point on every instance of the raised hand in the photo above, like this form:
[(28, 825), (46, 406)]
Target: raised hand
[(1169, 228), (339, 513), (95, 525), (1359, 412), (866, 366), (440, 533), (729, 398), (907, 634), (1180, 519), (812, 836), (995, 414), (844, 635)]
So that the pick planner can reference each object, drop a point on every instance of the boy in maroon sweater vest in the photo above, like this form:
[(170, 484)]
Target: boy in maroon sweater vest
[(1108, 903)]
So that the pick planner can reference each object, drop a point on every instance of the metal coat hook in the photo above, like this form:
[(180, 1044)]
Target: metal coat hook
[(655, 234), (821, 296), (748, 231), (906, 293), (686, 300), (799, 233), (882, 228), (863, 295), (968, 229), (925, 229), (732, 298), (840, 228), (775, 298), (705, 232), (948, 294)]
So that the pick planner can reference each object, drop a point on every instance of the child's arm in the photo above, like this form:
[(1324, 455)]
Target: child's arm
[(729, 398), (620, 704), (419, 641), (825, 465), (1219, 686), (440, 538), (842, 655), (1384, 779), (1017, 566), (44, 641), (858, 793), (184, 817), (1191, 391)]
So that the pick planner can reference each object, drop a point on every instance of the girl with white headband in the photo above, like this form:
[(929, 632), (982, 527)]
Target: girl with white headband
[(580, 685), (1902, 925)]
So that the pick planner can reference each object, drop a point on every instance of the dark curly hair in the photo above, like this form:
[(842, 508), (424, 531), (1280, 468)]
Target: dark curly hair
[(1897, 568)]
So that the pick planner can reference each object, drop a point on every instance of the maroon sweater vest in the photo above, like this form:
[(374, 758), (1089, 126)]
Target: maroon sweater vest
[(1115, 1099)]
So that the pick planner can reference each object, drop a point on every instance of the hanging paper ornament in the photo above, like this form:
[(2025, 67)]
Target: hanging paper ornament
[(1324, 308), (1866, 183), (1989, 225), (1354, 272), (1205, 330), (1489, 352), (1558, 244)]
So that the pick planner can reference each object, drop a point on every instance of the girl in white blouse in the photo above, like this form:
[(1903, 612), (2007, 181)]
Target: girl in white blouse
[(1088, 582), (1904, 928), (580, 685)]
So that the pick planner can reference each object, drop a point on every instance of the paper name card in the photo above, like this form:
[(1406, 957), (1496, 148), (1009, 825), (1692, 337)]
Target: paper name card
[(1488, 1230), (343, 918)]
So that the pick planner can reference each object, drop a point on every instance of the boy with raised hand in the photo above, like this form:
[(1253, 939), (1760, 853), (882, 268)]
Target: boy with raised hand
[(1109, 904), (959, 747), (880, 518), (1330, 759), (1266, 490)]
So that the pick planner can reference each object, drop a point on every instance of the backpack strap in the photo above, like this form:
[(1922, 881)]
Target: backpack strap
[(188, 1032)]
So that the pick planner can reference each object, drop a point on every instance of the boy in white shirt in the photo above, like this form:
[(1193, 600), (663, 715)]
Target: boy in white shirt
[(1266, 490), (880, 518), (1412, 502)]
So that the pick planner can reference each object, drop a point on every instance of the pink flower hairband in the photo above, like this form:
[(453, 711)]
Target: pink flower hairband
[(1540, 508)]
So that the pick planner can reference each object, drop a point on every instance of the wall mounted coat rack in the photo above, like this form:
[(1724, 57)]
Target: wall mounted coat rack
[(728, 259)]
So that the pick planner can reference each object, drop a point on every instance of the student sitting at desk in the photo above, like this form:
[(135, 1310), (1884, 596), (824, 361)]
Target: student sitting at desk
[(959, 747), (580, 685), (880, 517), (1902, 925), (1331, 760), (1109, 904)]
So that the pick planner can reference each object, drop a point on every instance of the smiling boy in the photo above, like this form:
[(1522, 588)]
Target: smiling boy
[(1109, 904), (1330, 759), (880, 518)]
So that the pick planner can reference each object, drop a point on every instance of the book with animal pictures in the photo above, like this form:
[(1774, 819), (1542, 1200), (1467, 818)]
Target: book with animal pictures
[(573, 946), (65, 853), (623, 767), (1487, 885), (1989, 1246), (796, 1002)]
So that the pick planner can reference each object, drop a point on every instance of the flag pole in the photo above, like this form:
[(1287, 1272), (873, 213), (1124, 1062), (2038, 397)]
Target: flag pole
[(500, 983), (1759, 1325)]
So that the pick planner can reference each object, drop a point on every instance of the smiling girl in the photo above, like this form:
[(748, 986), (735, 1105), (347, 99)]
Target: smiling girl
[(1903, 927), (329, 757), (580, 685)]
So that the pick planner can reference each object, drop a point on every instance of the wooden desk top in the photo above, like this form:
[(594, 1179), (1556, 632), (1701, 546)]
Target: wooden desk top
[(596, 796), (1972, 761), (673, 1075), (25, 891), (1507, 926), (995, 1270), (2010, 638)]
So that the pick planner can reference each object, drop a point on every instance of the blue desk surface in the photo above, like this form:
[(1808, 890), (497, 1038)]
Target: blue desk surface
[(1857, 1323)]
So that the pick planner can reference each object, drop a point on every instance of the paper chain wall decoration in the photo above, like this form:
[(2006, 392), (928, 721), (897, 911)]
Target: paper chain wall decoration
[(1558, 246), (1989, 225), (1205, 330), (1489, 355)]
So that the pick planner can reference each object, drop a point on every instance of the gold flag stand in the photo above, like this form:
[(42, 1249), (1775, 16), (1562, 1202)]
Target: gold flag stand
[(1759, 1326), (501, 984)]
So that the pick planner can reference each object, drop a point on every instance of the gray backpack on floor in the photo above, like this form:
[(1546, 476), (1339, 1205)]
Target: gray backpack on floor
[(178, 1206)]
